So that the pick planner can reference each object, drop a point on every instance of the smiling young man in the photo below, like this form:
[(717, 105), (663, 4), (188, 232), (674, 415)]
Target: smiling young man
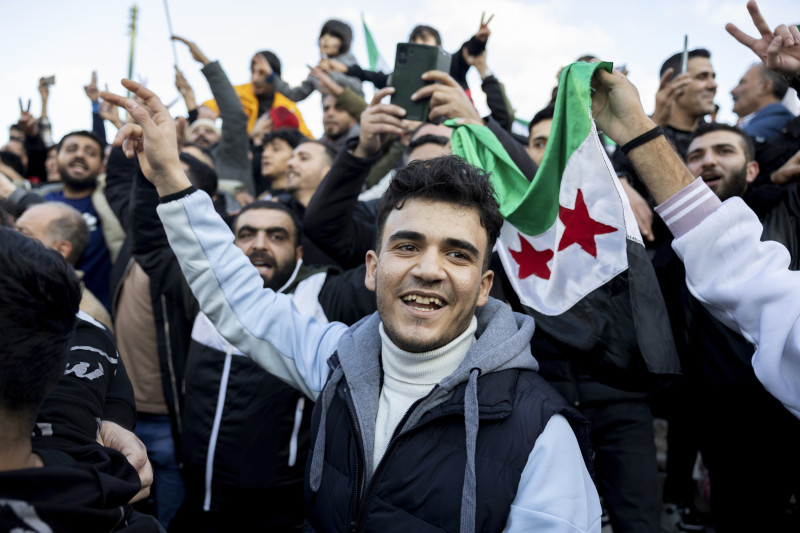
[(80, 162), (429, 412)]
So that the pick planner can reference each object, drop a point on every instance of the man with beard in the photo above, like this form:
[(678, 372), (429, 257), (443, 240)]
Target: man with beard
[(723, 156), (747, 438), (246, 433), (339, 124), (80, 162)]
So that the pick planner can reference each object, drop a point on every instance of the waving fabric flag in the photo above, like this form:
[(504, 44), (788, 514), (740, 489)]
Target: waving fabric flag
[(376, 61), (570, 245)]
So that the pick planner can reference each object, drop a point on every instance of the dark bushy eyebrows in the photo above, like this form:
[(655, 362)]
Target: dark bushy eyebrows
[(271, 229), (407, 235)]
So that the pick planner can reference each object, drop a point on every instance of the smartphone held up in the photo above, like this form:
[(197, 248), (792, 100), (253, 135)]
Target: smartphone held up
[(411, 62)]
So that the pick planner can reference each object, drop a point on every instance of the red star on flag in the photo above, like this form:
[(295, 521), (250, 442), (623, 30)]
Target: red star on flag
[(530, 260), (580, 228)]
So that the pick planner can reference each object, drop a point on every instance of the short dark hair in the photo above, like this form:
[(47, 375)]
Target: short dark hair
[(39, 297), (291, 136), (339, 29), (674, 61), (421, 30), (779, 84), (330, 151), (275, 206), (82, 133), (542, 114), (708, 127), (201, 175), (449, 179), (272, 59)]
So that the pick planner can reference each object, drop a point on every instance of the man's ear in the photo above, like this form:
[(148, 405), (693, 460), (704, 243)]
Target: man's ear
[(298, 252), (63, 247), (766, 87), (752, 171), (372, 268), (486, 286)]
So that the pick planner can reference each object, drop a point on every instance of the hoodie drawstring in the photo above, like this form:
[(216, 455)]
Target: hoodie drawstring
[(471, 423), (315, 475)]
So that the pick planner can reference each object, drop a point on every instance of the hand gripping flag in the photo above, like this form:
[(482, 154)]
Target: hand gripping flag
[(570, 245)]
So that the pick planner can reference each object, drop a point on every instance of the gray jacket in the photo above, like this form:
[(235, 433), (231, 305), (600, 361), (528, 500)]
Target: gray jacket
[(231, 153)]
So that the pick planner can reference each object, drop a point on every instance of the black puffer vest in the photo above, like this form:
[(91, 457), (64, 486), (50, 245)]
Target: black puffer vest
[(417, 487)]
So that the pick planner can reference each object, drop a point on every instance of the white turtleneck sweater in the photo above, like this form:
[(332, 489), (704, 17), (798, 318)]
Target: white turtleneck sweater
[(408, 376)]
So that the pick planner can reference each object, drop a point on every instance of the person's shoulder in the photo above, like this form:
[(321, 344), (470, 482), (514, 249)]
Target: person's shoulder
[(54, 196), (776, 109)]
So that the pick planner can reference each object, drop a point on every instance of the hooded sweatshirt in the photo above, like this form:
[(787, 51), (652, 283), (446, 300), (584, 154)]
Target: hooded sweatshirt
[(296, 348), (82, 488)]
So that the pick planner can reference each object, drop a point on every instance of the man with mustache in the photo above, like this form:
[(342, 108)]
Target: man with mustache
[(246, 433)]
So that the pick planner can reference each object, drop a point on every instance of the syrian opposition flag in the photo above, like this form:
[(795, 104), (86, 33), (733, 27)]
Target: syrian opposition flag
[(570, 245), (376, 61)]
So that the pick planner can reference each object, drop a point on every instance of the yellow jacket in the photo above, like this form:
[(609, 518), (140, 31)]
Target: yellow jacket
[(250, 105)]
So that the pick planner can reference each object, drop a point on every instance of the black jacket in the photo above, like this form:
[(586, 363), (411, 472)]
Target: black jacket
[(259, 434), (86, 489), (94, 387), (134, 201)]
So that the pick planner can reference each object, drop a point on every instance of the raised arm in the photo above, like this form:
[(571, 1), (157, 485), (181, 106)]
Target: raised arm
[(329, 220), (230, 291), (742, 281), (231, 155)]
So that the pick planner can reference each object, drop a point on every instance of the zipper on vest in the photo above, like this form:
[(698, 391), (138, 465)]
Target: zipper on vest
[(356, 524), (355, 502)]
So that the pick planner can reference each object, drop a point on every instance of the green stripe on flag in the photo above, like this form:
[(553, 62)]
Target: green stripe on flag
[(532, 207), (372, 48)]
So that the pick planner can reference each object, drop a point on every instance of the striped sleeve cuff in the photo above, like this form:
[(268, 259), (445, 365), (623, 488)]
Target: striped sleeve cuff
[(688, 207)]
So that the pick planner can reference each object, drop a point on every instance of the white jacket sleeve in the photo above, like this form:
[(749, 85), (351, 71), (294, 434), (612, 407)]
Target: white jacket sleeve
[(556, 493), (743, 282), (259, 322)]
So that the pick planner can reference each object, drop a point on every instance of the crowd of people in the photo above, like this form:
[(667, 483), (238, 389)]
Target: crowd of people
[(219, 323)]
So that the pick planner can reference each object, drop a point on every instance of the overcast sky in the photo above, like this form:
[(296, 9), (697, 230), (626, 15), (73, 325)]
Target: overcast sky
[(530, 41)]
